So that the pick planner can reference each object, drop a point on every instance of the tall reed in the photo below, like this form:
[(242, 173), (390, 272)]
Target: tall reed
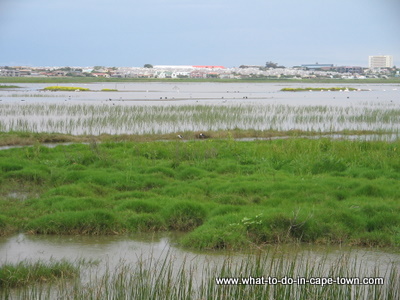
[(161, 119), (169, 278)]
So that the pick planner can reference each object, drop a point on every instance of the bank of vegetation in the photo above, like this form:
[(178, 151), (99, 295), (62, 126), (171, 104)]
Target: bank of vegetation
[(2, 86), (65, 89), (319, 89), (18, 138), (223, 194)]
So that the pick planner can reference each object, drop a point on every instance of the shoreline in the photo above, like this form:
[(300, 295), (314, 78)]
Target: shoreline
[(10, 139)]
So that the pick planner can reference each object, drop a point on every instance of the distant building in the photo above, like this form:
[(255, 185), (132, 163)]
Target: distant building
[(209, 67), (349, 69), (10, 73), (380, 61), (178, 67), (317, 66), (101, 74)]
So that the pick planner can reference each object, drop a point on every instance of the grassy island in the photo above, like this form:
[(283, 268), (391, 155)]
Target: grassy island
[(65, 88), (313, 89), (2, 86)]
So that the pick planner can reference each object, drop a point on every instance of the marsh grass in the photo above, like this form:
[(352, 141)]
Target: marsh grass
[(167, 278), (28, 273), (184, 215), (75, 222), (2, 86), (223, 194), (5, 228), (88, 119), (17, 138)]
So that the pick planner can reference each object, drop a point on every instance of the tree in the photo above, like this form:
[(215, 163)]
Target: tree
[(270, 64), (148, 66)]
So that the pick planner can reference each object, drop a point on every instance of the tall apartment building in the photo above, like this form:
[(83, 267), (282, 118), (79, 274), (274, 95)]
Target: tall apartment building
[(380, 61)]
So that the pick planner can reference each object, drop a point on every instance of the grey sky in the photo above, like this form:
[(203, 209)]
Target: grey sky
[(197, 32)]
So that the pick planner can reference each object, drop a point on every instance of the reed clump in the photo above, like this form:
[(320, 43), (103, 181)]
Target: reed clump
[(27, 273)]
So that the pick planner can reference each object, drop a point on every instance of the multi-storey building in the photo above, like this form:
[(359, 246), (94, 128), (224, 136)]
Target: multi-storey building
[(380, 61)]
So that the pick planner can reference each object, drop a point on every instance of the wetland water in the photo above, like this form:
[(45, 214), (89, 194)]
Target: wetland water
[(110, 251), (175, 107), (145, 108)]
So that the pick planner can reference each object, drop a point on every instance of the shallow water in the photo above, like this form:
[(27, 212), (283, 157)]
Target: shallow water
[(136, 108), (191, 92), (110, 251)]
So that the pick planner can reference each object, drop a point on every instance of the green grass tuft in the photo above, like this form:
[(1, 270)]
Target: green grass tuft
[(81, 222), (26, 273), (138, 206), (146, 223), (184, 216)]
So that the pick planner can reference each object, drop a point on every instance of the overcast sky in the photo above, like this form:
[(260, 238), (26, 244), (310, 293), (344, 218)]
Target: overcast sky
[(197, 32)]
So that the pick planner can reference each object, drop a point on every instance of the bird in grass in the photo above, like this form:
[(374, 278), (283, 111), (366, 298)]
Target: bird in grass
[(202, 136), (179, 136)]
